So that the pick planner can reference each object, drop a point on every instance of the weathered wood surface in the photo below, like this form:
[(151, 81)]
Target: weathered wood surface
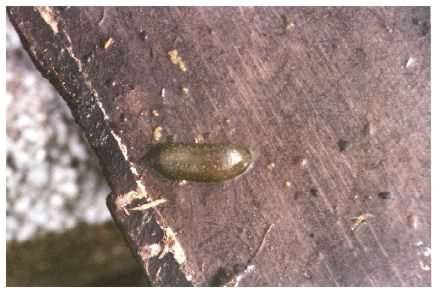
[(337, 98)]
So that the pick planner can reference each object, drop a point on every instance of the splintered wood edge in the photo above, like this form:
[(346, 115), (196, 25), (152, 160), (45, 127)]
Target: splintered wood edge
[(124, 214), (116, 202)]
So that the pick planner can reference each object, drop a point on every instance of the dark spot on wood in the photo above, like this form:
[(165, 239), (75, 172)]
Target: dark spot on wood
[(297, 195), (143, 35), (226, 277), (88, 58), (314, 192), (221, 277), (360, 53), (384, 194), (307, 275), (256, 203), (343, 145), (425, 28), (171, 138), (10, 161), (367, 129)]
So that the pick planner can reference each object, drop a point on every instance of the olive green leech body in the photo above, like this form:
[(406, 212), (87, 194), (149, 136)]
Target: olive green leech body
[(199, 162)]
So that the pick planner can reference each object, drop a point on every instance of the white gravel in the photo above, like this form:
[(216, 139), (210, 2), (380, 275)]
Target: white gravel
[(53, 181)]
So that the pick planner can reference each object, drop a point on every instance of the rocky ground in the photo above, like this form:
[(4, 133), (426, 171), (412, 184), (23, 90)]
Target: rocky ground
[(53, 180)]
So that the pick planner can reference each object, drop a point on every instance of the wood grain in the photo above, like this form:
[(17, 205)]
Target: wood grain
[(291, 83)]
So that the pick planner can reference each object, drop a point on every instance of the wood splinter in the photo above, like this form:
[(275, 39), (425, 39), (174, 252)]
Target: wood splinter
[(260, 247), (126, 199), (232, 278), (359, 220), (149, 205), (108, 43)]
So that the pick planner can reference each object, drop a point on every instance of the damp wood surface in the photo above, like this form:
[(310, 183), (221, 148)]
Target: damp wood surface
[(334, 104)]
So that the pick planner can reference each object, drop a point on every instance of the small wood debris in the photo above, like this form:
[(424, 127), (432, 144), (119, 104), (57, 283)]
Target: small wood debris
[(157, 133), (163, 92), (177, 60), (413, 221), (288, 184), (143, 35), (307, 275), (183, 182), (185, 90), (155, 113), (199, 139), (108, 43), (427, 252), (122, 201), (167, 242), (271, 166), (424, 266), (359, 220), (288, 24), (149, 205), (226, 278), (368, 129), (410, 62), (303, 162)]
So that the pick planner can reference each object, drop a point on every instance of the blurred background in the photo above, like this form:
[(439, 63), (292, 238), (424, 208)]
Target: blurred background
[(58, 229)]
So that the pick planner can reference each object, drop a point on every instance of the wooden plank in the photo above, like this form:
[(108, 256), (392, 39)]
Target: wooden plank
[(333, 102)]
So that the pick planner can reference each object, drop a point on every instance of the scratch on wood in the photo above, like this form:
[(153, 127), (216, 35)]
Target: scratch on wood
[(384, 252), (101, 21), (49, 17), (149, 205), (262, 243), (332, 277)]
